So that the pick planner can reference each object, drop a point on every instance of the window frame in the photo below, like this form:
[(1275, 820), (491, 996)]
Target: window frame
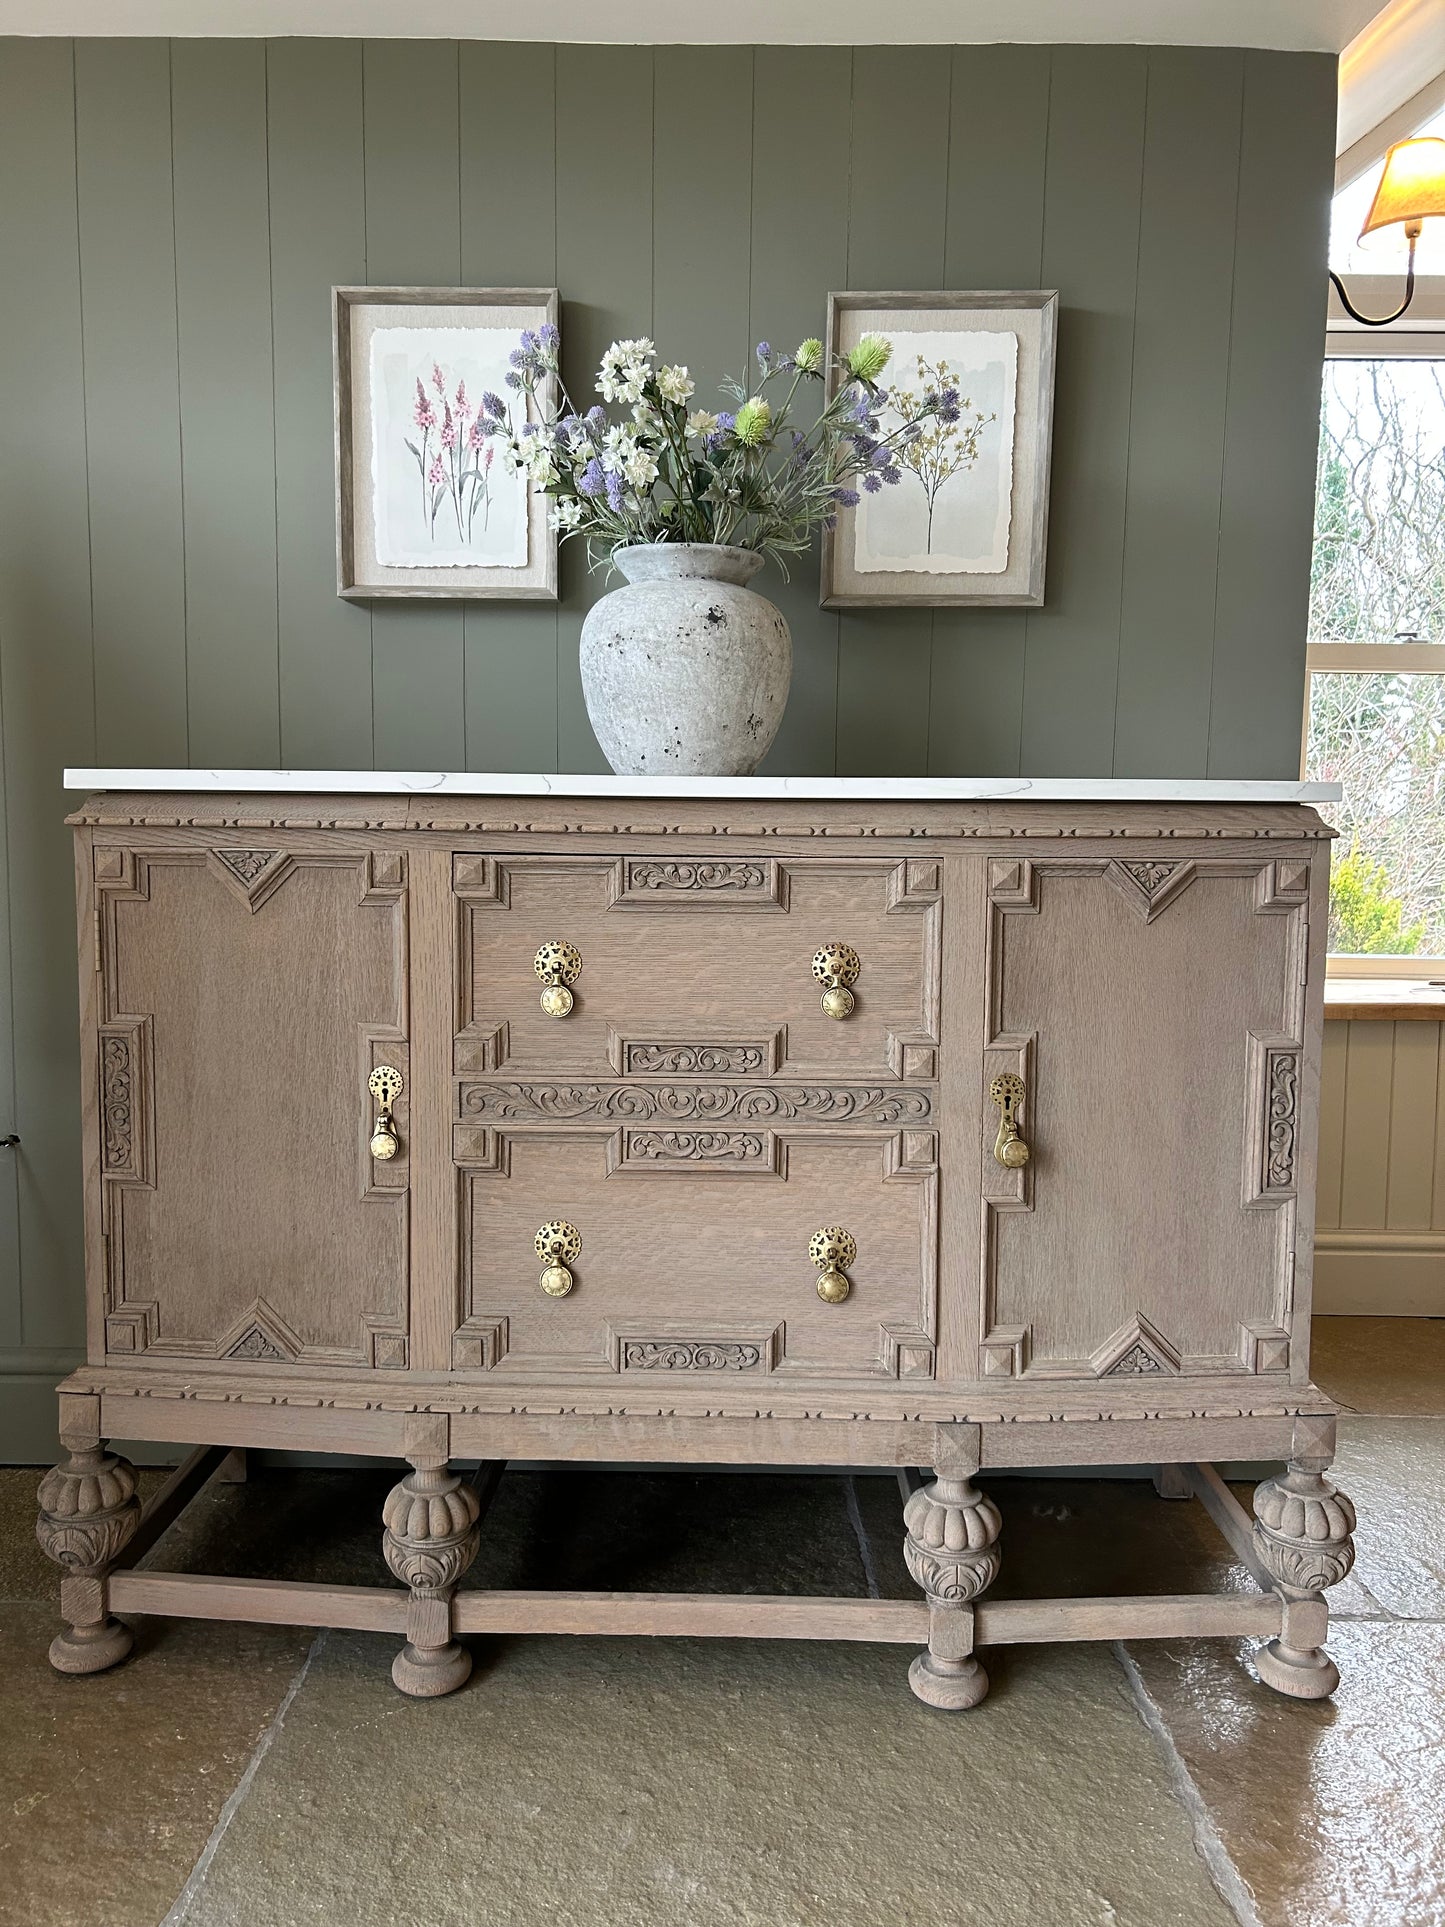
[(1424, 338)]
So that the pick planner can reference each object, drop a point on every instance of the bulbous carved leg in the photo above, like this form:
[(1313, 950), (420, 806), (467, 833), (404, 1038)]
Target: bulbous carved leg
[(951, 1549), (88, 1511), (1302, 1527), (431, 1538)]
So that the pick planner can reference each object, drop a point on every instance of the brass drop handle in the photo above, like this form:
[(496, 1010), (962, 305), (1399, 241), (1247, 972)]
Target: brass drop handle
[(834, 1251), (1007, 1091), (559, 965), (836, 967), (557, 1245), (385, 1086)]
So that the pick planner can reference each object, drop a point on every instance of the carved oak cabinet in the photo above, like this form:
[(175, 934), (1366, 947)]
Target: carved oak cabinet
[(952, 1126)]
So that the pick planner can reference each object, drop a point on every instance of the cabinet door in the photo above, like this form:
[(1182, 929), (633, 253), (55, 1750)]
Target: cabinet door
[(245, 996), (1155, 1012)]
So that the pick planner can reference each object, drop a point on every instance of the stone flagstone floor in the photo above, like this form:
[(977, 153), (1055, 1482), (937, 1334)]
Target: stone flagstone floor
[(234, 1776)]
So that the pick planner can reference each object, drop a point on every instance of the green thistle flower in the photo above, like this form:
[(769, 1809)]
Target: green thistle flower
[(809, 358), (867, 361), (754, 419)]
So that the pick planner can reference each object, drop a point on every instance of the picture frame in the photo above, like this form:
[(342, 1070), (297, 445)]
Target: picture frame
[(976, 492), (424, 505)]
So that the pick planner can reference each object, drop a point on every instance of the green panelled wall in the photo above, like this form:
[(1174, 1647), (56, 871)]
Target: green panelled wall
[(174, 213)]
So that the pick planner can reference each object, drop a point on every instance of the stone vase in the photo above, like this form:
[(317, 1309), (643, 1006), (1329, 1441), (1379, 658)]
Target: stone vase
[(685, 670)]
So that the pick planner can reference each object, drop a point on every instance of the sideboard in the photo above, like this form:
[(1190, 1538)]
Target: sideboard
[(942, 1126)]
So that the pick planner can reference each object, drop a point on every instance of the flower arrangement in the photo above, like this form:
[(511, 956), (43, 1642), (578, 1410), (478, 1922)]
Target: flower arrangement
[(651, 467)]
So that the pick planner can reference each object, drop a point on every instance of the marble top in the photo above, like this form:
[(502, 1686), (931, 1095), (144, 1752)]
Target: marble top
[(855, 789)]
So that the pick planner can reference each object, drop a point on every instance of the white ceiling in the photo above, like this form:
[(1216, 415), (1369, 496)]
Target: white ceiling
[(1321, 25)]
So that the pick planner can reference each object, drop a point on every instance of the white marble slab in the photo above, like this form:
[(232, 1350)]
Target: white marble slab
[(856, 789)]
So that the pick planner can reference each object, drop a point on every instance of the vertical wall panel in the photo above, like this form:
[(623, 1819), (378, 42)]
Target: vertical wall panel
[(899, 184), (1416, 1052), (509, 240), (132, 397), (1181, 368), (1365, 1177), (1272, 416), (413, 239), (605, 237), (318, 240), (1091, 254), (800, 252), (228, 442), (46, 685), (1332, 1126), (994, 239)]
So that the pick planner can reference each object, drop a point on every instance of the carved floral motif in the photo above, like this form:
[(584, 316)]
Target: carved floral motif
[(1283, 1102), (698, 876), (1151, 877), (117, 1104), (255, 1344), (553, 1103), (1136, 1361), (245, 865), (697, 1147), (696, 1060), (700, 1355)]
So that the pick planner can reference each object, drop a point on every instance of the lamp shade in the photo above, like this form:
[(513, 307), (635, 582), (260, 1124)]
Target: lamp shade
[(1412, 186)]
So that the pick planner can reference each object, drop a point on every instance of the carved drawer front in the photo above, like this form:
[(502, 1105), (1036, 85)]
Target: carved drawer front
[(246, 997), (675, 966), (685, 1251), (1152, 1012)]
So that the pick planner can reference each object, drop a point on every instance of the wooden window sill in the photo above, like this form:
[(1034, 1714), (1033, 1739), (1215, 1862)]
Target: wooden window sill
[(1401, 998)]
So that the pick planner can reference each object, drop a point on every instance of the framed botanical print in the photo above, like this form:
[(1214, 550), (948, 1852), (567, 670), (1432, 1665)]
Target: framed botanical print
[(425, 505), (966, 521)]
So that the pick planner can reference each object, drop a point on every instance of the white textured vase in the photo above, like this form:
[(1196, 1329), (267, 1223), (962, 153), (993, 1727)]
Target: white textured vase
[(685, 669)]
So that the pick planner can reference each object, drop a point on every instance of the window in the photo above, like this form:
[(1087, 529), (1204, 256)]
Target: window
[(1376, 659), (1375, 717)]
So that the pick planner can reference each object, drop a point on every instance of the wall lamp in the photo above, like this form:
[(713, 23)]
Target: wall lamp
[(1411, 190)]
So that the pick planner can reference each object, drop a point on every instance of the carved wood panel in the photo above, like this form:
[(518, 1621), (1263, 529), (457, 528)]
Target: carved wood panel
[(1155, 1011), (694, 1251), (690, 962), (246, 994)]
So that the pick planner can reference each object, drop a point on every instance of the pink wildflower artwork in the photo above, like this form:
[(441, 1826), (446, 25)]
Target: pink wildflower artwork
[(454, 470)]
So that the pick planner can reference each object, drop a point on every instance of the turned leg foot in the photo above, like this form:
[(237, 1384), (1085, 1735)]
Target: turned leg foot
[(1302, 1528), (431, 1538), (952, 1552), (88, 1511)]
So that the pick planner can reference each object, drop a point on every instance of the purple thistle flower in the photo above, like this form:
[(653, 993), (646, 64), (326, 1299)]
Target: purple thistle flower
[(614, 492), (493, 404), (765, 352), (514, 380), (549, 336), (847, 496), (529, 341), (862, 410), (948, 413), (872, 483), (596, 416), (892, 475), (517, 358), (592, 481)]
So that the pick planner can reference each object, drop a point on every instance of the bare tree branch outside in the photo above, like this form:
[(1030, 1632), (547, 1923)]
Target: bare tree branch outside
[(1379, 577)]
